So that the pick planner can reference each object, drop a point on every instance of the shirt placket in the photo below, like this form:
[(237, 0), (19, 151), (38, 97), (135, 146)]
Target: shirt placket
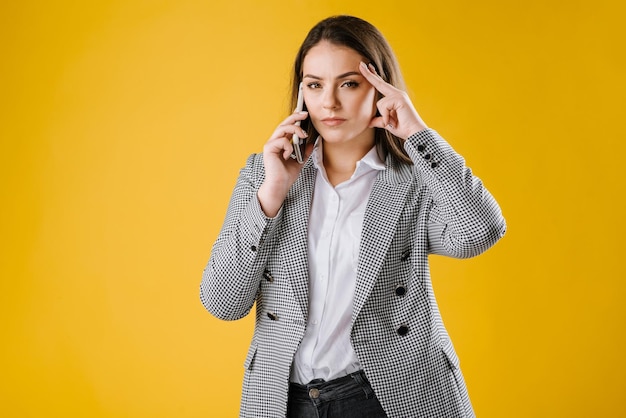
[(324, 267)]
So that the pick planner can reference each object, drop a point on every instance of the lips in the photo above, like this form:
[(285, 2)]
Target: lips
[(333, 121)]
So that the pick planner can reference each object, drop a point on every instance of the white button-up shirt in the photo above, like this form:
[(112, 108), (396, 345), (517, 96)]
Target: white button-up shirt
[(334, 235)]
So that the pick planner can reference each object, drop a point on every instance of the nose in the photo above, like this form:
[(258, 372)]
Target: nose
[(330, 99)]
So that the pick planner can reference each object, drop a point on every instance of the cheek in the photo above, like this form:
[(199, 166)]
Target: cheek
[(368, 103), (310, 103)]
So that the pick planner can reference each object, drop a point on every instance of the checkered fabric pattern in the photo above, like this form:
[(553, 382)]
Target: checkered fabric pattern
[(436, 206)]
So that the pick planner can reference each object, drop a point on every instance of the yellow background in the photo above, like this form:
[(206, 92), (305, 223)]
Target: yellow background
[(124, 124)]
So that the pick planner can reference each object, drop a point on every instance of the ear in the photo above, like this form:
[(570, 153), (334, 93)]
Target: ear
[(377, 122)]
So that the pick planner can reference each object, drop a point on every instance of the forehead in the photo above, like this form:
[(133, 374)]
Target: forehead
[(327, 57)]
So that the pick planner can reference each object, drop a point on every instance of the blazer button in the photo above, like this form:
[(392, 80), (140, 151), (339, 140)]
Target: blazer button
[(400, 290), (268, 276), (427, 157), (421, 148), (402, 330), (405, 255), (272, 316), (434, 164), (253, 247)]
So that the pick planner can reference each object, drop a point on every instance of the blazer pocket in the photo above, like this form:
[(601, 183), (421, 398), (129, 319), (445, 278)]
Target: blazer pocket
[(249, 362), (448, 350)]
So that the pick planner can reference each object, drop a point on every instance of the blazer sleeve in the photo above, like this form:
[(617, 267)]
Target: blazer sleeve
[(230, 280), (464, 220)]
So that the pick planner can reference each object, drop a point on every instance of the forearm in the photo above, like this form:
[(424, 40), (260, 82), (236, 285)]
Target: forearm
[(231, 278), (465, 219)]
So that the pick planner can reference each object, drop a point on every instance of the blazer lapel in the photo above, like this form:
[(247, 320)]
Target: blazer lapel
[(384, 206), (295, 218)]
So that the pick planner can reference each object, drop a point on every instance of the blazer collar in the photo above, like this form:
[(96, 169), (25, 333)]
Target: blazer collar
[(385, 204), (295, 221)]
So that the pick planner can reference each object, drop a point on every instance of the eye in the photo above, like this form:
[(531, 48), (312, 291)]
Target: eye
[(313, 85), (350, 84)]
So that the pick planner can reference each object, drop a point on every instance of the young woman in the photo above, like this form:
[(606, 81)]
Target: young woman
[(334, 251)]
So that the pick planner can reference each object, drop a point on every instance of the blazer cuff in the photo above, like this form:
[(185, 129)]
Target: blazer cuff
[(428, 150), (258, 226)]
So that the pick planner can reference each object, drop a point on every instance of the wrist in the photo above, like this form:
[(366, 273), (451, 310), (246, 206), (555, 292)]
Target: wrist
[(418, 126), (271, 198)]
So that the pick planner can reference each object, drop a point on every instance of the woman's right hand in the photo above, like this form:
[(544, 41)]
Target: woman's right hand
[(281, 171)]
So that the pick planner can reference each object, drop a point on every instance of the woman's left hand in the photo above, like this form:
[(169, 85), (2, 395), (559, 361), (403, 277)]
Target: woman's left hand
[(397, 114)]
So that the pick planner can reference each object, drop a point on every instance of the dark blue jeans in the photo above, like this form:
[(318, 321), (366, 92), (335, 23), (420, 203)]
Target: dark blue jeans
[(346, 397)]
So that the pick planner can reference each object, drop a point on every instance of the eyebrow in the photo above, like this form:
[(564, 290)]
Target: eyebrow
[(344, 75)]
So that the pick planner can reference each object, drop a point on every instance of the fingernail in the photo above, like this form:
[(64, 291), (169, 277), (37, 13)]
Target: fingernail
[(372, 68)]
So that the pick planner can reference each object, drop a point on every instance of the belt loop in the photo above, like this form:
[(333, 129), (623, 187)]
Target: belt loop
[(361, 380)]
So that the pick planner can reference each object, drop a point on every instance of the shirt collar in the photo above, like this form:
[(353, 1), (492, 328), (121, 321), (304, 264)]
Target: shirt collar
[(370, 161)]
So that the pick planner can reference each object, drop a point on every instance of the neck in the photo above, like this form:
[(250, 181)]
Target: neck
[(340, 159)]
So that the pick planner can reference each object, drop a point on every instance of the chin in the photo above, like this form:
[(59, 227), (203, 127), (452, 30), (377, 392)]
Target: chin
[(337, 136)]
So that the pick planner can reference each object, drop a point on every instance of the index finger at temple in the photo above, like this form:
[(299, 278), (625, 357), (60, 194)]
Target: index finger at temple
[(375, 80)]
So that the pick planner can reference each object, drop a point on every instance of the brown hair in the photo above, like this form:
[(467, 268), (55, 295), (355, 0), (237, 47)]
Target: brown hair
[(364, 38)]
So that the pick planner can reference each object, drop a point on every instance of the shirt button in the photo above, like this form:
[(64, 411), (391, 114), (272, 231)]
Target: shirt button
[(314, 393)]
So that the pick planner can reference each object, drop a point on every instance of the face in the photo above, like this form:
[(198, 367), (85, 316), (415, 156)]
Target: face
[(340, 102)]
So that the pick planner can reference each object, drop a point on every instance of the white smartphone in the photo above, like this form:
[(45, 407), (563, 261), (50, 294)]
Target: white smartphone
[(299, 144)]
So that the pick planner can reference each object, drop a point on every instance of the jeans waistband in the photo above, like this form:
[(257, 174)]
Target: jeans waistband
[(339, 387)]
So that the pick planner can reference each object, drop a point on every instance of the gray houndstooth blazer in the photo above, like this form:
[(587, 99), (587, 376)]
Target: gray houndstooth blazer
[(434, 207)]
